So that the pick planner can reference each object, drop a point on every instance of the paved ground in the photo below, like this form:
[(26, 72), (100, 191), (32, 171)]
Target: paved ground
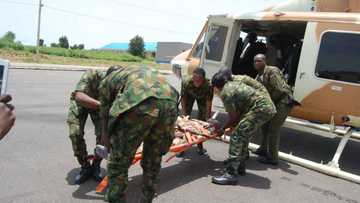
[(37, 164)]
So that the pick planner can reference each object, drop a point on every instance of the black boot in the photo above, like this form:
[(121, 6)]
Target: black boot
[(260, 152), (267, 160), (201, 150), (247, 156), (84, 175), (225, 179), (241, 169), (97, 175)]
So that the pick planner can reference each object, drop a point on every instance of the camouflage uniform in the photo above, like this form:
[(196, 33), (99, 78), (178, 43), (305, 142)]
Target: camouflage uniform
[(255, 109), (281, 95), (202, 95), (249, 81), (77, 115), (141, 107)]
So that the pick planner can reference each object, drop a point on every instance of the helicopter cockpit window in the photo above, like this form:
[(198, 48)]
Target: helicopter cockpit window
[(338, 57), (199, 47), (215, 46)]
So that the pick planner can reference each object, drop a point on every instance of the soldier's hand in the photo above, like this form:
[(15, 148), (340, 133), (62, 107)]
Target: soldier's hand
[(228, 131), (5, 98), (214, 126), (7, 119), (213, 122), (218, 132)]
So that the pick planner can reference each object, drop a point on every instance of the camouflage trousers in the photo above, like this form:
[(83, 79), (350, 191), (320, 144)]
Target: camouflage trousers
[(201, 103), (250, 122), (202, 111), (271, 131), (76, 121), (151, 122)]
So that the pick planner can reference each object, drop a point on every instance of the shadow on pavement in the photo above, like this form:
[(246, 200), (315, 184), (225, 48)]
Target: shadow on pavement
[(191, 168), (84, 191), (253, 164), (254, 181)]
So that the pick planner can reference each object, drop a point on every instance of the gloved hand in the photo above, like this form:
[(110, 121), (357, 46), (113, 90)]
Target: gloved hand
[(214, 126)]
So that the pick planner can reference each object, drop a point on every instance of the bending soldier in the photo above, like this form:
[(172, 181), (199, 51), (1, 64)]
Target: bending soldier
[(249, 81), (84, 102), (248, 110), (137, 105), (197, 88)]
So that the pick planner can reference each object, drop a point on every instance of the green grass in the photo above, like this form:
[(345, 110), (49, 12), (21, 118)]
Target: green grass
[(15, 51), (75, 53), (87, 54)]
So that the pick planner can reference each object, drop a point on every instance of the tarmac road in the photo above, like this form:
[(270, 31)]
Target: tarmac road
[(37, 164)]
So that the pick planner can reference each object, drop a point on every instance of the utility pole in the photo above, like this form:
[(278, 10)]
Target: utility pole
[(38, 28)]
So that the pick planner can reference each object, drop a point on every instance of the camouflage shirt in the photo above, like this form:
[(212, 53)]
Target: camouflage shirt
[(89, 83), (249, 81), (239, 97), (127, 87), (274, 82), (205, 91)]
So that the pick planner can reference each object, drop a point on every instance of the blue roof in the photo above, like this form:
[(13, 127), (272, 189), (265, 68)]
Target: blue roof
[(149, 46)]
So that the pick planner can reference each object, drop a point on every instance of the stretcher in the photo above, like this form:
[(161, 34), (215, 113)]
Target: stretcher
[(188, 132)]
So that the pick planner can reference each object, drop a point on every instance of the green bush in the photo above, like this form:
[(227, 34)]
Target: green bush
[(17, 46), (54, 45), (7, 44), (4, 43)]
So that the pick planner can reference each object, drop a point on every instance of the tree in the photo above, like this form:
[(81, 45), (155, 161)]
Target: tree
[(74, 46), (54, 45), (81, 46), (10, 36), (63, 42), (136, 46), (77, 46)]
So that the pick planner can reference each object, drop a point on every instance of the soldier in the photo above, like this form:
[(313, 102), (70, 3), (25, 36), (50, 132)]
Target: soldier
[(249, 82), (137, 105), (252, 83), (84, 102), (281, 95), (197, 88), (248, 110)]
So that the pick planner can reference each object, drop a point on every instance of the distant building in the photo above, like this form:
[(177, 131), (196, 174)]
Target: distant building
[(167, 50)]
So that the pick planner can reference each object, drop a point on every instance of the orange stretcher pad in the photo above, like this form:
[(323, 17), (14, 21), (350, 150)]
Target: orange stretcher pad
[(188, 132)]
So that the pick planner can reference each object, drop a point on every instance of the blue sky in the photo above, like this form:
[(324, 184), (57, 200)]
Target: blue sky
[(96, 23)]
